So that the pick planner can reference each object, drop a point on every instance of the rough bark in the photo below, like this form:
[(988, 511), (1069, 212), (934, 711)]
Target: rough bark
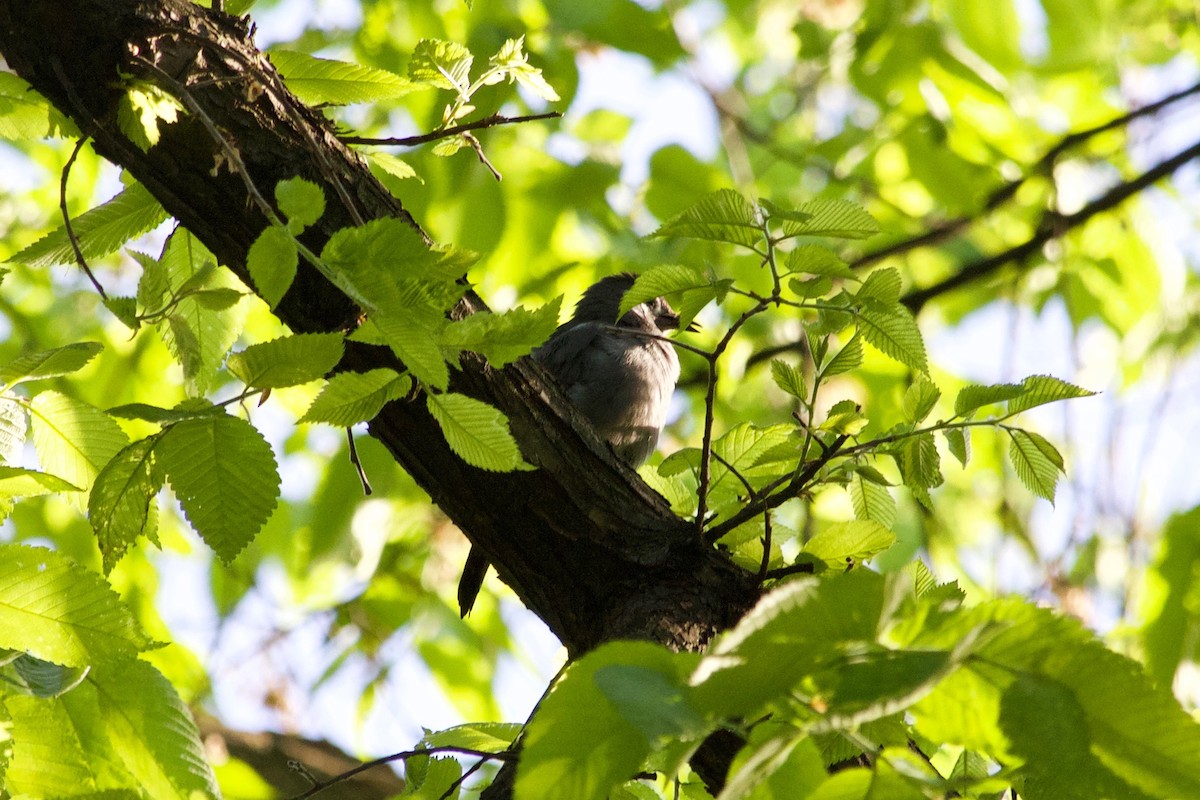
[(582, 540)]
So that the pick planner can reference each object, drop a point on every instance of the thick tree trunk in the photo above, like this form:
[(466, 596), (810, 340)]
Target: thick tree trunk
[(582, 540)]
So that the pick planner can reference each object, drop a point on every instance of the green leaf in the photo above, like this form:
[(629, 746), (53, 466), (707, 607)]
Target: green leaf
[(793, 631), (837, 218), (441, 64), (1036, 462), (58, 611), (920, 398), (199, 337), (971, 398), (417, 347), (50, 363), (503, 338), (920, 464), (318, 81), (788, 378), (73, 440), (580, 745), (225, 476), (893, 332), (777, 762), (872, 501), (660, 281), (14, 423), (477, 432), (25, 114), (850, 357), (301, 201), (391, 164), (512, 60), (847, 543), (1169, 634), (352, 397), (723, 216), (19, 482), (271, 262), (288, 360), (140, 110), (100, 231), (494, 737), (120, 504), (39, 678), (814, 259), (959, 442), (369, 262), (1038, 390), (882, 285), (188, 409)]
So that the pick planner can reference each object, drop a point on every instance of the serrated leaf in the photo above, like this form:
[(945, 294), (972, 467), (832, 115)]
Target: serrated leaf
[(25, 114), (119, 506), (370, 259), (788, 378), (73, 440), (504, 337), (883, 285), (100, 231), (124, 309), (813, 287), (491, 736), (301, 201), (140, 110), (723, 216), (225, 476), (920, 463), (417, 347), (1037, 390), (971, 398), (288, 360), (40, 678), (837, 218), (477, 432), (391, 164), (152, 733), (959, 442), (318, 81), (58, 611), (850, 357), (50, 363), (21, 482), (1036, 462), (352, 397), (445, 65), (197, 336), (14, 424), (845, 543), (894, 333), (271, 262), (188, 409), (872, 501), (659, 281), (816, 260), (920, 398)]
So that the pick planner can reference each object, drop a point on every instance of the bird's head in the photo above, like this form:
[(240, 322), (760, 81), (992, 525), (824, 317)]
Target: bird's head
[(602, 301)]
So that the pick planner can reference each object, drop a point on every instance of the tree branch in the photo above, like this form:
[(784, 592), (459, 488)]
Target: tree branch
[(454, 130)]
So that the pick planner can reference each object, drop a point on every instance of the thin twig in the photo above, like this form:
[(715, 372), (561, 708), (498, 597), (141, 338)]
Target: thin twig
[(357, 462), (401, 756), (483, 159), (806, 568), (487, 122), (66, 215)]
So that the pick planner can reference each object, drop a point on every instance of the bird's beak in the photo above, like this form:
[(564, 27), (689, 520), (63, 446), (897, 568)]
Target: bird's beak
[(692, 327)]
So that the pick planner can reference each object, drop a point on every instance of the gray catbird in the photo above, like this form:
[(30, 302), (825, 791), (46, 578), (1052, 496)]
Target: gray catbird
[(620, 378)]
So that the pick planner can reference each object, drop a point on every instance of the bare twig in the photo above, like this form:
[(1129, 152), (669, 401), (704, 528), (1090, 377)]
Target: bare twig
[(357, 462), (66, 215), (487, 122), (401, 756)]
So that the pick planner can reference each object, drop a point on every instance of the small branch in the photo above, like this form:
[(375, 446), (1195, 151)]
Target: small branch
[(791, 569), (66, 215), (483, 159), (358, 465), (487, 122), (1053, 226), (770, 499), (401, 756), (944, 230)]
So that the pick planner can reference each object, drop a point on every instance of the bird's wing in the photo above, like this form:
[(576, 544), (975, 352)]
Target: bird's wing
[(565, 352)]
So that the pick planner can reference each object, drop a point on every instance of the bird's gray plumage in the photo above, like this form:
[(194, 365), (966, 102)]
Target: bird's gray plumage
[(620, 378)]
